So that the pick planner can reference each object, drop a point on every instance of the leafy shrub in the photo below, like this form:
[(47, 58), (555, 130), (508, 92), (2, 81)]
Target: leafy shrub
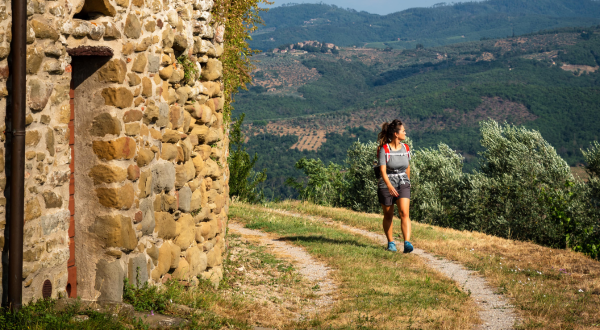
[(244, 181), (524, 190), (324, 186)]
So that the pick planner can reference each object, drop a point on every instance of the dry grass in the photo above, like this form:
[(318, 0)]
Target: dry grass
[(377, 289), (550, 288)]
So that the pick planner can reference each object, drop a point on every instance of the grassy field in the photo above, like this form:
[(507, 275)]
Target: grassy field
[(550, 288), (378, 289)]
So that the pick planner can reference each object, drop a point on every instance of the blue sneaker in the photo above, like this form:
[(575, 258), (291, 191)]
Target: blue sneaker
[(408, 248), (392, 247)]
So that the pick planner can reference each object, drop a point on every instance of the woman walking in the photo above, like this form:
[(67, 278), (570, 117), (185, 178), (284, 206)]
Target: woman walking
[(394, 184)]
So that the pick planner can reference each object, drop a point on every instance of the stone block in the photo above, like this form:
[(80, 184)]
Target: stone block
[(52, 200), (121, 148), (165, 225), (44, 29), (180, 43), (113, 72), (211, 169), (214, 257), (196, 200), (185, 199), (109, 280), (184, 173), (111, 31), (197, 261), (148, 220), (168, 37), (183, 271), (175, 256), (211, 88), (132, 116), (96, 32), (55, 222), (39, 93), (153, 63), (32, 209), (213, 70), (187, 235), (134, 79), (139, 64), (133, 172), (164, 261), (119, 97), (107, 174), (168, 151), (168, 203), (104, 124), (146, 87), (143, 45), (163, 177), (171, 136), (117, 198), (115, 231), (50, 142), (133, 27), (34, 58), (201, 132), (137, 270), (166, 72), (176, 116), (145, 156), (145, 184), (78, 29)]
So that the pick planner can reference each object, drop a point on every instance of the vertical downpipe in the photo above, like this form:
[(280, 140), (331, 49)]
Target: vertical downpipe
[(17, 177)]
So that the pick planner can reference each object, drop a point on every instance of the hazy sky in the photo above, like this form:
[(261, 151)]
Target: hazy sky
[(381, 7)]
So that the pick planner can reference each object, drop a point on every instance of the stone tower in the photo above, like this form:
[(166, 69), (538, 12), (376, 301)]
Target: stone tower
[(126, 151)]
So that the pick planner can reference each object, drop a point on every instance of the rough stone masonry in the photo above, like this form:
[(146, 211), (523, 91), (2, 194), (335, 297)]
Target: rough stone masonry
[(126, 153)]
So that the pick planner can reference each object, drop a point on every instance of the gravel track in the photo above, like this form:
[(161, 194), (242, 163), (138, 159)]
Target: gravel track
[(495, 311), (315, 271)]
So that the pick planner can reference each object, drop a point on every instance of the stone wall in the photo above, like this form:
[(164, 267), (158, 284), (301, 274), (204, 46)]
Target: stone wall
[(133, 182)]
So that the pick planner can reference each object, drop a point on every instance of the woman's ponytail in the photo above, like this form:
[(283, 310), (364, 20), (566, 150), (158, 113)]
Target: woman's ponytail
[(382, 136), (387, 132)]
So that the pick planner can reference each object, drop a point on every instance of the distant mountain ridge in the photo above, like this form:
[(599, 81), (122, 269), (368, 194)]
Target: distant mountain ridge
[(439, 25)]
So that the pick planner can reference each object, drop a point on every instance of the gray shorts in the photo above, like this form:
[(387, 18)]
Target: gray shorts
[(387, 199)]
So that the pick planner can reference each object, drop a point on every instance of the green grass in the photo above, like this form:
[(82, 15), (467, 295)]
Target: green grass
[(550, 288), (377, 289)]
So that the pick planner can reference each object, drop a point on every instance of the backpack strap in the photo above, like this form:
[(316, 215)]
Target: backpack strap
[(407, 150), (386, 148)]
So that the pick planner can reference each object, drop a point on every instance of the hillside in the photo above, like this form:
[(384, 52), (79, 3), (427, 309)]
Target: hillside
[(441, 25), (316, 104)]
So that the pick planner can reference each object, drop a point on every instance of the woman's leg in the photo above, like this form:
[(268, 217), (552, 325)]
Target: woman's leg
[(388, 218), (403, 210)]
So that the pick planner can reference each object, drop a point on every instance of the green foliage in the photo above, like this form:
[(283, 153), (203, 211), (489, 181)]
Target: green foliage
[(324, 186), (190, 69), (243, 181), (240, 18), (42, 315), (145, 297), (524, 190)]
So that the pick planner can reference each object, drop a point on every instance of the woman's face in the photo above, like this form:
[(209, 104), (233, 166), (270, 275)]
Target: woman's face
[(401, 134)]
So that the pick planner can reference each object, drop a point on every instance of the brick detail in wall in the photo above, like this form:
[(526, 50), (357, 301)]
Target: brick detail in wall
[(72, 270)]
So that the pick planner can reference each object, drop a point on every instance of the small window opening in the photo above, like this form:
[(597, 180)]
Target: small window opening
[(93, 9)]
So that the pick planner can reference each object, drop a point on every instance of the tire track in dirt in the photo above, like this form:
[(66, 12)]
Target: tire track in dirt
[(495, 311), (315, 271)]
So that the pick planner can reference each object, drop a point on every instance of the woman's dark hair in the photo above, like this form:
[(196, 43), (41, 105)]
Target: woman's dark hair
[(387, 131)]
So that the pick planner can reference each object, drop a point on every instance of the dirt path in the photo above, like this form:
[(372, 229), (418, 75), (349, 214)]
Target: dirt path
[(495, 311), (315, 271)]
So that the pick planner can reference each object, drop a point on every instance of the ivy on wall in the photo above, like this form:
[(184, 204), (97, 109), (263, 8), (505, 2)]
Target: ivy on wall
[(240, 18)]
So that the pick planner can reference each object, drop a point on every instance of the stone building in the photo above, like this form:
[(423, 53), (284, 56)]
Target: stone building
[(126, 151)]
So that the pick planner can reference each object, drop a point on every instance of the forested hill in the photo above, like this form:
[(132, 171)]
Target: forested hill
[(441, 25), (316, 103)]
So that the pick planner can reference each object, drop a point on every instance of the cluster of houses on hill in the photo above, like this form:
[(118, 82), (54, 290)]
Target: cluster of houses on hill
[(309, 46)]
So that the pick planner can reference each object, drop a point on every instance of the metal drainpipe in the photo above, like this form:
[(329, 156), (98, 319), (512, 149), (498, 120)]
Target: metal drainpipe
[(17, 176)]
